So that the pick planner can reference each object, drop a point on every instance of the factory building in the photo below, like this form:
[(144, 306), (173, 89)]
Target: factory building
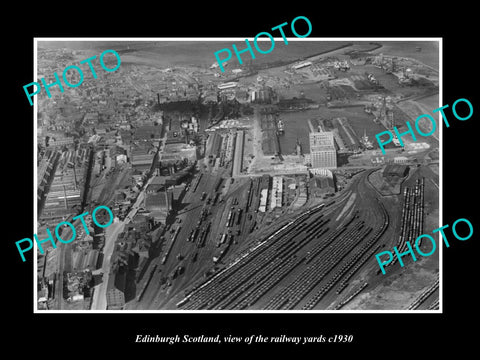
[(277, 191), (85, 259), (156, 184), (148, 132), (321, 138), (116, 290), (46, 171), (238, 154), (263, 200), (324, 157), (142, 159), (400, 160), (262, 96), (61, 141), (322, 150), (158, 204), (65, 191), (321, 185)]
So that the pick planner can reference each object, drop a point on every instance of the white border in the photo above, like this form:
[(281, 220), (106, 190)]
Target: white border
[(359, 39)]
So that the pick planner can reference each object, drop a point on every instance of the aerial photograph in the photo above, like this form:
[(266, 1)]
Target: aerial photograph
[(258, 188)]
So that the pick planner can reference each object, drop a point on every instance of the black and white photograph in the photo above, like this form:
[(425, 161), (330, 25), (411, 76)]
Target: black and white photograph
[(248, 184), (213, 179)]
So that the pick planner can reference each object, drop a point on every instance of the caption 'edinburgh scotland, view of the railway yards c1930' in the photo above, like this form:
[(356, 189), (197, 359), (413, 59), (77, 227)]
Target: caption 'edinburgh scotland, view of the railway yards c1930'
[(256, 188)]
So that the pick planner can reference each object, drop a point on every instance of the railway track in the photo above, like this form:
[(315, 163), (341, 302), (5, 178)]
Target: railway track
[(421, 299), (259, 270), (412, 216), (234, 283)]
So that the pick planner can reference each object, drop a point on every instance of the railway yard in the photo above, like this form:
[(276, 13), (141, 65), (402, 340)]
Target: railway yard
[(255, 191), (217, 259)]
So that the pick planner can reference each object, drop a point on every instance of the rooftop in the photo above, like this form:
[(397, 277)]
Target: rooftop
[(318, 148)]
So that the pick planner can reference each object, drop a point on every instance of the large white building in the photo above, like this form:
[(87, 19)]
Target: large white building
[(321, 138), (322, 150), (227, 85), (301, 65), (277, 190)]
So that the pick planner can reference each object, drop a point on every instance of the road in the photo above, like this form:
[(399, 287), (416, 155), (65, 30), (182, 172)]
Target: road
[(59, 281), (257, 140), (61, 253), (99, 301)]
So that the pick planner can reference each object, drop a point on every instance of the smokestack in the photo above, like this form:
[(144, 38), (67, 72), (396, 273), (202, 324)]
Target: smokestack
[(158, 98)]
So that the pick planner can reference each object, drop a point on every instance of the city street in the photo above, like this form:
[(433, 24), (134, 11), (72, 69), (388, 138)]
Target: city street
[(99, 301)]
